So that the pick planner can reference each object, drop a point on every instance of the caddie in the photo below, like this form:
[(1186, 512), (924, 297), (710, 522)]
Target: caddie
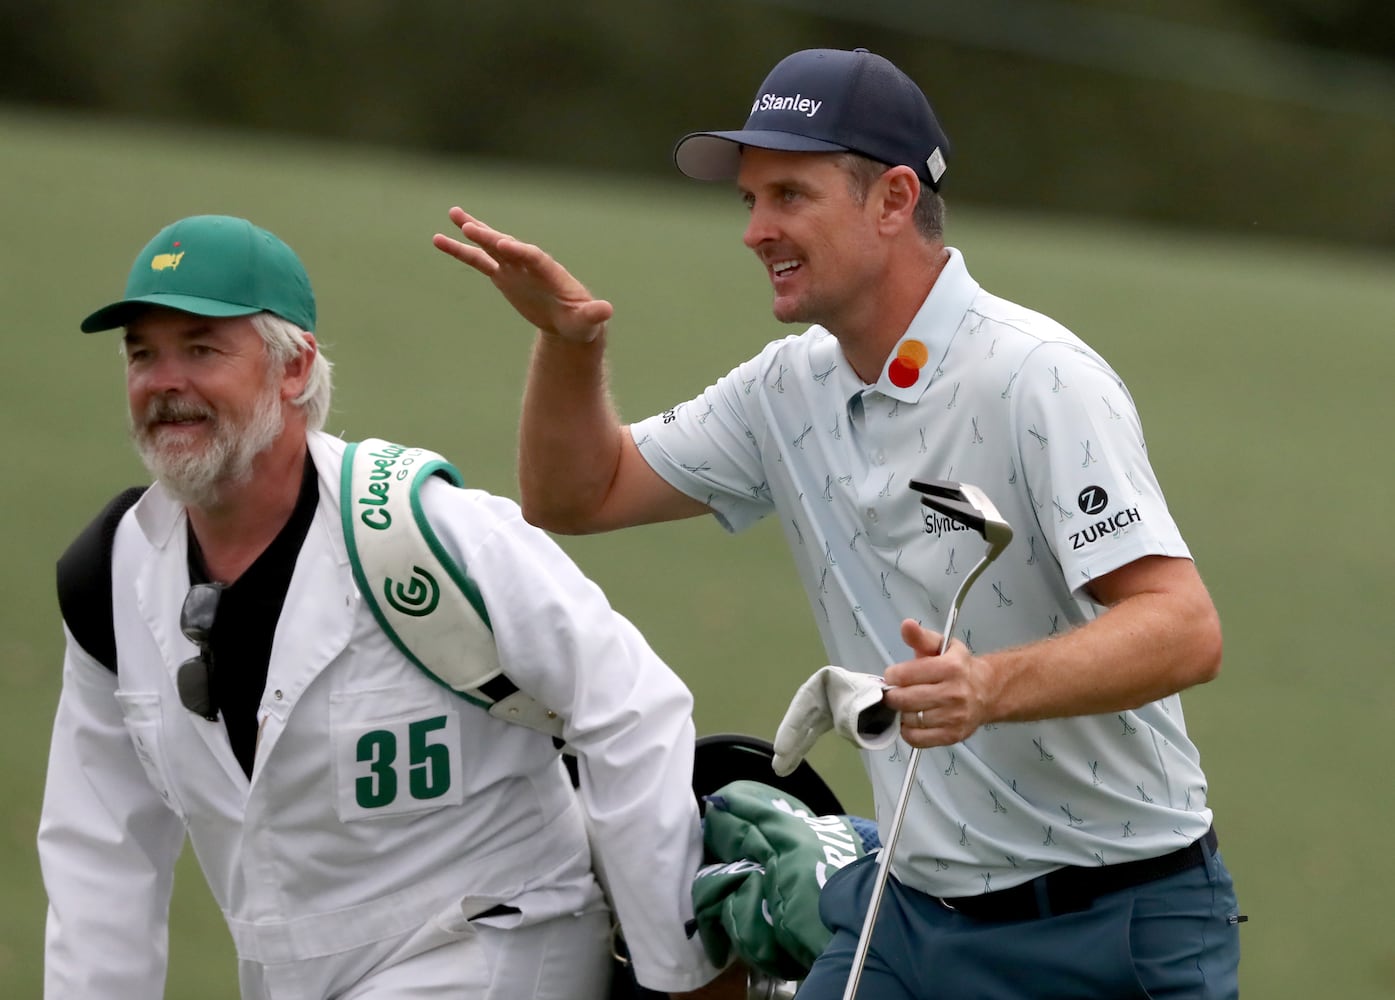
[(365, 829)]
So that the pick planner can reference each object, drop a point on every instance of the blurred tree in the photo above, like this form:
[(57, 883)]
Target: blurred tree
[(1194, 112), (1366, 26)]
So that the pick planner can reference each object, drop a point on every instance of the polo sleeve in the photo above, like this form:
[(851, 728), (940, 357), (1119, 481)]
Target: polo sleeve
[(107, 849), (1081, 448), (709, 447)]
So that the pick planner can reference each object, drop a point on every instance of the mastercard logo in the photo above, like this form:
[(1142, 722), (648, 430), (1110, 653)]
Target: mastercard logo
[(905, 368)]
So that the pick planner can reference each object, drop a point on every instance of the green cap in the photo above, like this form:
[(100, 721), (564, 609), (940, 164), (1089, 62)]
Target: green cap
[(213, 265)]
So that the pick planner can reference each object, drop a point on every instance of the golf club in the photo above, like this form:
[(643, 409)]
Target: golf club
[(967, 505)]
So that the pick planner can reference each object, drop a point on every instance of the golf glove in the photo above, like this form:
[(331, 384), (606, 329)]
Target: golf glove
[(838, 699)]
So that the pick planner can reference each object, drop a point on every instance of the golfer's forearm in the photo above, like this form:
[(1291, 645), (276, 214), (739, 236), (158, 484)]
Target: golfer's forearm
[(1144, 648), (569, 436)]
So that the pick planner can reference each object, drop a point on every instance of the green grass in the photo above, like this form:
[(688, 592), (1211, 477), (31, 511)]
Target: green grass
[(1261, 371)]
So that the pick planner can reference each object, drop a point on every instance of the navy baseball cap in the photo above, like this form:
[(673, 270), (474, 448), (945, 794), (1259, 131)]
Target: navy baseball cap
[(213, 265), (828, 101)]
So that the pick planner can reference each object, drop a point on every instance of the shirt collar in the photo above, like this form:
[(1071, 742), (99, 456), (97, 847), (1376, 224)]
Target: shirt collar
[(914, 361)]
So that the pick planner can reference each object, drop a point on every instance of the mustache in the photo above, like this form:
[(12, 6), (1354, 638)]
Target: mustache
[(162, 409)]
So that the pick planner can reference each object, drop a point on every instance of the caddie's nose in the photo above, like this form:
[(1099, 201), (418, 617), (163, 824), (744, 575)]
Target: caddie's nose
[(156, 373)]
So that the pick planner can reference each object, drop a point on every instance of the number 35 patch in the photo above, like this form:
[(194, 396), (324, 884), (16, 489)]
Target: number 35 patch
[(398, 767)]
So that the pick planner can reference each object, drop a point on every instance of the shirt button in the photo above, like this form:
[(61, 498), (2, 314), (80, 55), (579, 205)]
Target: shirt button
[(879, 458), (278, 694), (872, 514)]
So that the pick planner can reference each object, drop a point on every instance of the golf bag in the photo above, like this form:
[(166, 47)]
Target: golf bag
[(719, 760)]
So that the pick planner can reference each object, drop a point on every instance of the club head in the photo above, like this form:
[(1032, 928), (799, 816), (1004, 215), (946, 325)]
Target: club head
[(968, 505)]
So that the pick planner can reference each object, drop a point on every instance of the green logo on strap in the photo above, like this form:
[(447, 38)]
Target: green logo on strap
[(418, 597)]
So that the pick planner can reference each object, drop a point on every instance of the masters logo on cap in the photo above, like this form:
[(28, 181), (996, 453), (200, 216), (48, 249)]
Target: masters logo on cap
[(213, 265), (829, 101)]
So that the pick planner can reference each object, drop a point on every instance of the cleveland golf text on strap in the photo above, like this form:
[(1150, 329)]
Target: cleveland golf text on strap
[(425, 602)]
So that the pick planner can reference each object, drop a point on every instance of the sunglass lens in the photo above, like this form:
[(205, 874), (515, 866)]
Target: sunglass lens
[(194, 691), (200, 608)]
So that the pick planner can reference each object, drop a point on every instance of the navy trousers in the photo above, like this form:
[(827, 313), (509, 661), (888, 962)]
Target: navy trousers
[(1171, 938)]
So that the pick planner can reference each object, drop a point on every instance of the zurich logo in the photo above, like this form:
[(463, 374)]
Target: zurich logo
[(1092, 499)]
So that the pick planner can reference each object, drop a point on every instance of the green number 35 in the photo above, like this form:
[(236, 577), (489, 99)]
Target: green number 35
[(428, 764)]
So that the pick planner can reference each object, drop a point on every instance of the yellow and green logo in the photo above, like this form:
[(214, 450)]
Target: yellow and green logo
[(165, 261)]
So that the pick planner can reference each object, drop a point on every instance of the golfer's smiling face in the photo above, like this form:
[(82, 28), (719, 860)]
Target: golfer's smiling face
[(819, 245)]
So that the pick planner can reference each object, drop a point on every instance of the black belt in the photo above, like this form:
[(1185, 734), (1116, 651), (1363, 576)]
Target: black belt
[(1069, 890)]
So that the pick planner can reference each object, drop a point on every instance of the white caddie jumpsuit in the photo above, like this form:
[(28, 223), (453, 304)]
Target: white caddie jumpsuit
[(383, 811)]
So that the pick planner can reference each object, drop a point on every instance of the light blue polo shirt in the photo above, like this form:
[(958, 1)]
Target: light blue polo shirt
[(983, 391)]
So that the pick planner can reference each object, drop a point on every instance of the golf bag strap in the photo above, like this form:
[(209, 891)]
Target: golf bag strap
[(425, 602), (84, 581)]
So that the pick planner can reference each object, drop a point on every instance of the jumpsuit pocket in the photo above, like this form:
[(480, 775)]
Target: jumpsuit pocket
[(143, 716), (394, 755)]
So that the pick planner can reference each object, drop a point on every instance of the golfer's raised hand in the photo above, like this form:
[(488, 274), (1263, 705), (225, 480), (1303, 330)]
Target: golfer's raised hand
[(542, 290), (940, 696)]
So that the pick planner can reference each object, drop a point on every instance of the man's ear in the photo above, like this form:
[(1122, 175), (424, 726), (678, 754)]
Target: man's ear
[(297, 373), (898, 191)]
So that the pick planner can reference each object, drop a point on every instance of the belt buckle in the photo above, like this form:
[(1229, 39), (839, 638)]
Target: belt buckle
[(946, 905)]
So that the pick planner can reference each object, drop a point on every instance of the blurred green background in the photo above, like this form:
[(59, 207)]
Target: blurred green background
[(1272, 116), (1230, 249)]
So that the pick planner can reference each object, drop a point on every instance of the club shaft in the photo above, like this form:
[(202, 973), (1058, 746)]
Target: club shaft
[(864, 939)]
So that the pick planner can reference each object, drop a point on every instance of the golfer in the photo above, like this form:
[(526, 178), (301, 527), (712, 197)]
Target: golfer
[(1060, 843), (366, 832)]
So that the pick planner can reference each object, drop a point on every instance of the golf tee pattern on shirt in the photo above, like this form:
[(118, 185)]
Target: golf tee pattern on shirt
[(983, 391)]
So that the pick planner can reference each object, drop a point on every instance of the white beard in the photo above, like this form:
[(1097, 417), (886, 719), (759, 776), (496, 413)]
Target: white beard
[(197, 477)]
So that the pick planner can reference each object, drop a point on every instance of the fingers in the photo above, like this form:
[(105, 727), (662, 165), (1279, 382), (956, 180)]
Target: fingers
[(501, 246), (921, 640), (540, 289), (937, 714), (793, 741), (932, 734), (487, 248), (479, 231), (595, 312), (467, 254), (926, 665), (935, 693)]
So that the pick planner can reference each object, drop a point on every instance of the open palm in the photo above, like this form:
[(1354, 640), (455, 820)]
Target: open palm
[(542, 291)]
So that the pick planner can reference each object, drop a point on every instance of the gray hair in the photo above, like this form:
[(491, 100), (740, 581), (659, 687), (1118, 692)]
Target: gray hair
[(929, 214), (284, 340)]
